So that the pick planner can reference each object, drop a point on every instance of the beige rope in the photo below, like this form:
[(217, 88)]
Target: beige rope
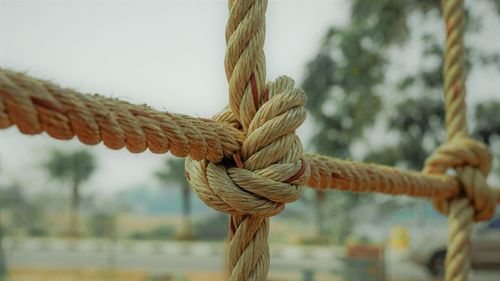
[(469, 158), (262, 182), (268, 156), (33, 104), (462, 154), (249, 162), (248, 252), (328, 172), (268, 171), (269, 175)]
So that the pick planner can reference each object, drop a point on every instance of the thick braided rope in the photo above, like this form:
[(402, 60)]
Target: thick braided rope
[(64, 113), (268, 174), (268, 171), (248, 252), (35, 106), (328, 172), (270, 164), (472, 162), (332, 173), (454, 69), (469, 158), (115, 124), (244, 62)]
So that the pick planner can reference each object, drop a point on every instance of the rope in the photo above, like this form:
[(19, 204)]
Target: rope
[(462, 154), (259, 184), (268, 171), (248, 162), (328, 172), (35, 106), (469, 158), (248, 252), (264, 177)]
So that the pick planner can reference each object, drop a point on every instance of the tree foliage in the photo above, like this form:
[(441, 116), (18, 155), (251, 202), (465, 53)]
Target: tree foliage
[(172, 173), (73, 168), (347, 84)]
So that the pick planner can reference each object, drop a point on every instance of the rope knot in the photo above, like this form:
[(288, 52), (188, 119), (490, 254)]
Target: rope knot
[(269, 170), (472, 162)]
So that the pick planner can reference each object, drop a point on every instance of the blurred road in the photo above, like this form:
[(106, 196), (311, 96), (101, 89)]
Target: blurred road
[(171, 257)]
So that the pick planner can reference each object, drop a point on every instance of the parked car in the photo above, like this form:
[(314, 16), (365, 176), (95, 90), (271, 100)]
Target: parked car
[(430, 251)]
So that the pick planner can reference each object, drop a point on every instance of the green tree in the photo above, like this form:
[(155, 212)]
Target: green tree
[(487, 129), (172, 175), (343, 101), (488, 124), (347, 84), (72, 168), (418, 121)]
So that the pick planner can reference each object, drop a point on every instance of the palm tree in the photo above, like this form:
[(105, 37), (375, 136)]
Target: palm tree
[(73, 168), (171, 175)]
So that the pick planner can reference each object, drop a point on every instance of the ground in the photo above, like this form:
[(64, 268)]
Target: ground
[(89, 260)]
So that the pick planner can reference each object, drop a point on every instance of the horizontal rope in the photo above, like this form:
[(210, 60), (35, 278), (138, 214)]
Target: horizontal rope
[(35, 106), (332, 173), (328, 172)]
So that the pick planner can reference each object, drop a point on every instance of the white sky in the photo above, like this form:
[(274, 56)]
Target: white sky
[(168, 54)]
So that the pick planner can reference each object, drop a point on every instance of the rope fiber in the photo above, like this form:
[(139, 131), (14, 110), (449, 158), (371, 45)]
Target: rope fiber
[(247, 160), (469, 158), (71, 113), (35, 106)]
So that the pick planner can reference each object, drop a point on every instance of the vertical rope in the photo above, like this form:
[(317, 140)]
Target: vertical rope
[(244, 61), (248, 253), (454, 69), (461, 210)]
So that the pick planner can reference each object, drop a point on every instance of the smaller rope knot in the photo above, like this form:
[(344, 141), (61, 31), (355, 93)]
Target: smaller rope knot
[(472, 163), (269, 170)]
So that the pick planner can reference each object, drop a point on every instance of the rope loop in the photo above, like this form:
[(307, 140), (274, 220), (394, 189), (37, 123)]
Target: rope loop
[(269, 170), (472, 162)]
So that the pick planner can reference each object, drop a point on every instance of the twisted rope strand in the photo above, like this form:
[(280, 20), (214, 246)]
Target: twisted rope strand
[(461, 211), (259, 133), (244, 62), (328, 172), (35, 106), (248, 258), (454, 69), (470, 159), (70, 113)]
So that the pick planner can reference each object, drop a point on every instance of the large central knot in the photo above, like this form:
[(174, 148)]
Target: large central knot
[(269, 170), (472, 163)]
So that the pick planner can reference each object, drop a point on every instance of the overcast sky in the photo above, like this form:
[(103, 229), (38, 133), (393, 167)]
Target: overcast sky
[(168, 54)]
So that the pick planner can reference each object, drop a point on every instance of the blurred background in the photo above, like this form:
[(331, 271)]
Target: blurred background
[(372, 74)]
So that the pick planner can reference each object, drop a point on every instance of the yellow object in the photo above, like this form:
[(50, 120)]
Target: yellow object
[(399, 238)]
